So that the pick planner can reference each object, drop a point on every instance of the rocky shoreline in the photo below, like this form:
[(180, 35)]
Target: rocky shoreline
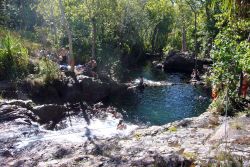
[(198, 141), (58, 128)]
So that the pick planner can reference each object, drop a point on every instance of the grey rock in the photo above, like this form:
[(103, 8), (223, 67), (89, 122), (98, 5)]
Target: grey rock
[(50, 112)]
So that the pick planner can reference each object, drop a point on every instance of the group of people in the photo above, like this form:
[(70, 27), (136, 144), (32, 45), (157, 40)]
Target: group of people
[(88, 69), (62, 58)]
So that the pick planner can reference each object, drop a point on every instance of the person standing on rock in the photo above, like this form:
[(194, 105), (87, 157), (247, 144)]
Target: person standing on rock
[(215, 92), (244, 85), (141, 83), (195, 75)]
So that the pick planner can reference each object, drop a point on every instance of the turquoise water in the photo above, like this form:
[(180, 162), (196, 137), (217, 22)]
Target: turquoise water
[(164, 104)]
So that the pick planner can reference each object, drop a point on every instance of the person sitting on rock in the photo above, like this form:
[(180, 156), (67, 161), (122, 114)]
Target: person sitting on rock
[(90, 68), (121, 125), (92, 64)]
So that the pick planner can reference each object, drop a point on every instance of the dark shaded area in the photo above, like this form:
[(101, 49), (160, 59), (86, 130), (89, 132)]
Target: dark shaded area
[(180, 62)]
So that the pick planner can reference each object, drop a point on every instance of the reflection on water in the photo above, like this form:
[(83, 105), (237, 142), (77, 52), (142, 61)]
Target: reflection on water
[(160, 105)]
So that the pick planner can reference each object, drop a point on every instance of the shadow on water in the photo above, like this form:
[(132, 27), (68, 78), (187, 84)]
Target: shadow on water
[(164, 104)]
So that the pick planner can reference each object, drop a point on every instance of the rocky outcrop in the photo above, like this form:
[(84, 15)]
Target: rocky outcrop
[(180, 62), (73, 89)]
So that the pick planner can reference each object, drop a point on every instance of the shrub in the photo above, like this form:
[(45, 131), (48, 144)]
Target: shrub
[(14, 59), (228, 159), (48, 70)]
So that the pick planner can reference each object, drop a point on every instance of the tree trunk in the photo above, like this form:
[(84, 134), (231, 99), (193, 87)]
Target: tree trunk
[(184, 40), (241, 80), (93, 38), (209, 41), (66, 25), (53, 26), (21, 14), (154, 39), (195, 39)]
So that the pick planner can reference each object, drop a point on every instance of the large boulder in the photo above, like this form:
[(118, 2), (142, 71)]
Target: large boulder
[(50, 112), (181, 62)]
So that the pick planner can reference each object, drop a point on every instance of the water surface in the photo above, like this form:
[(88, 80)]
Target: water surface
[(163, 104)]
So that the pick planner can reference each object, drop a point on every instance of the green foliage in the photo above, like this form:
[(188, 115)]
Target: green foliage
[(138, 136), (48, 70), (218, 105), (190, 155), (14, 58), (231, 55), (172, 129), (132, 26)]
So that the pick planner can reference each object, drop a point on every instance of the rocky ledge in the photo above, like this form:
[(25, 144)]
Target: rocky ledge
[(71, 88), (198, 141)]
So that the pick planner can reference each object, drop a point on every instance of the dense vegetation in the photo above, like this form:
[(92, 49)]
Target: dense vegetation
[(113, 30), (132, 26), (13, 58)]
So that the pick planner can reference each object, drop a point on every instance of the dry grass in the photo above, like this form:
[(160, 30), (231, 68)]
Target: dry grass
[(226, 159)]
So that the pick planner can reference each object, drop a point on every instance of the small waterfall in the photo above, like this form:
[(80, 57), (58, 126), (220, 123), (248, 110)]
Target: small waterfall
[(79, 131)]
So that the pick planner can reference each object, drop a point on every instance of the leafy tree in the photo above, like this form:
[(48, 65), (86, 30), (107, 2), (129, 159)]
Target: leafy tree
[(231, 49), (183, 17), (161, 20)]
